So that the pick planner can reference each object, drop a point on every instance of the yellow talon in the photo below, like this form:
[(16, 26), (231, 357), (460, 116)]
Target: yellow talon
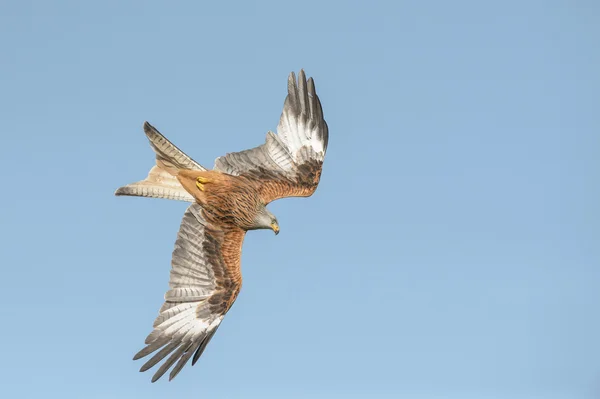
[(201, 181)]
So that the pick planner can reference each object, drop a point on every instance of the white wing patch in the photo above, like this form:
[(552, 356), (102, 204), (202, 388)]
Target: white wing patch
[(278, 152), (302, 131), (302, 123), (185, 323)]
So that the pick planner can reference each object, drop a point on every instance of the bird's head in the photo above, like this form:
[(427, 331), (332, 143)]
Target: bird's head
[(265, 220)]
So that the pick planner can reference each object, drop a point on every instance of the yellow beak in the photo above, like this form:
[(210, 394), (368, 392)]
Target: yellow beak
[(275, 228)]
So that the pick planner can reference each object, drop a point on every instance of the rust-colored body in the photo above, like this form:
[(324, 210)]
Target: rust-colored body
[(230, 203)]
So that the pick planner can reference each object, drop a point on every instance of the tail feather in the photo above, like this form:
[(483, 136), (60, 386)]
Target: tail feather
[(162, 181), (171, 157)]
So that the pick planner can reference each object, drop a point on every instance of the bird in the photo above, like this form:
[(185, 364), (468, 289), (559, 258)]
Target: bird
[(226, 202)]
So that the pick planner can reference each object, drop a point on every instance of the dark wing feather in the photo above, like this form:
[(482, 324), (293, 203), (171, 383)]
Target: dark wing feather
[(288, 164), (205, 280)]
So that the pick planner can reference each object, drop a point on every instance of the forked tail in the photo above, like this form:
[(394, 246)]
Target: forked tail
[(162, 179)]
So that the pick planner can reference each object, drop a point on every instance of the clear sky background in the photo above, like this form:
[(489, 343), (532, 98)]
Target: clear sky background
[(451, 250)]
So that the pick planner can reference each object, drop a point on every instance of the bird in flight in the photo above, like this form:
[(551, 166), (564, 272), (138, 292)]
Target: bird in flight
[(227, 201)]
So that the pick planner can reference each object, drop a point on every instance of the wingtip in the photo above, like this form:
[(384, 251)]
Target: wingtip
[(311, 86), (140, 355), (146, 367), (291, 81), (302, 75), (195, 359)]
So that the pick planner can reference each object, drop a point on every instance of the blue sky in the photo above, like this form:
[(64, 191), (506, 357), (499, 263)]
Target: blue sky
[(451, 250)]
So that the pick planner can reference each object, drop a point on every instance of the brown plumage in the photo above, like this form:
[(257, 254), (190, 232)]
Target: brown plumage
[(227, 202)]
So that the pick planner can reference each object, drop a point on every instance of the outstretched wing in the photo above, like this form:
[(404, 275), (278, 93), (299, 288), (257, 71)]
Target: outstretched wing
[(288, 164), (205, 281)]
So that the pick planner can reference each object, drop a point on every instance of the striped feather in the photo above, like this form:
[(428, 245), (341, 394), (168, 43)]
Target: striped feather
[(168, 152), (161, 181), (288, 163), (190, 316)]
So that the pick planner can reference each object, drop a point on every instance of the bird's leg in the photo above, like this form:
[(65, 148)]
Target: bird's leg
[(201, 181)]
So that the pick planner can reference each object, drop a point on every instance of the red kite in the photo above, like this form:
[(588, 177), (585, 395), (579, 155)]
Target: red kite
[(226, 202)]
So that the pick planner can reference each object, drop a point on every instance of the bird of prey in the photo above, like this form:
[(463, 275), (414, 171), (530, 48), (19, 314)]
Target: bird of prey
[(227, 201)]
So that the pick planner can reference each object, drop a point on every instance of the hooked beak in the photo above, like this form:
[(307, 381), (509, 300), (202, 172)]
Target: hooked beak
[(275, 228)]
